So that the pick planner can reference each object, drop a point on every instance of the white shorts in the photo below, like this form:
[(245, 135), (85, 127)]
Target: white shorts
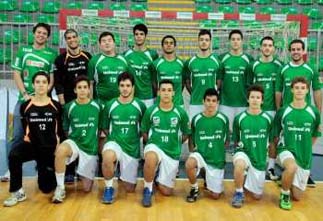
[(214, 177), (128, 164), (231, 112), (255, 180), (194, 110), (149, 102), (87, 165), (301, 175), (168, 167)]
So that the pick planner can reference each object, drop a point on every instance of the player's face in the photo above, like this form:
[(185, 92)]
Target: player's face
[(299, 91), (236, 42), (140, 37), (166, 93), (40, 36), (125, 88), (296, 52), (82, 90), (107, 44), (40, 85), (267, 48), (255, 100), (169, 46), (72, 41), (204, 42), (210, 103)]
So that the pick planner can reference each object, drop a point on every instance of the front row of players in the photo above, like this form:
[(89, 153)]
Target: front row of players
[(293, 131)]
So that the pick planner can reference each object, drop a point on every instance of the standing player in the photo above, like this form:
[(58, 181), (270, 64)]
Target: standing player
[(41, 119), (233, 77), (263, 71), (296, 129), (170, 67), (201, 70), (122, 117), (160, 126), (30, 59), (210, 133), (80, 123), (252, 129), (140, 59)]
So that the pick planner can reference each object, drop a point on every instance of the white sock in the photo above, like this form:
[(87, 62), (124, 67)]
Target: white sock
[(286, 192), (108, 183), (149, 185), (195, 185), (240, 190), (271, 163), (60, 180)]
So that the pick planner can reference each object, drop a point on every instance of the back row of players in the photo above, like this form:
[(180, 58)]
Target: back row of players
[(231, 73)]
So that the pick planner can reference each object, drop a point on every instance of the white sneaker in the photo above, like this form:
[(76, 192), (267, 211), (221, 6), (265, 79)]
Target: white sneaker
[(15, 198), (5, 177), (59, 195)]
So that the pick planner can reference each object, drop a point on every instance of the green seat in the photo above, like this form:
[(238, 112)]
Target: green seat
[(22, 18), (138, 7), (313, 13), (117, 38), (253, 24), (8, 5), (204, 8), (84, 38), (94, 39), (30, 38), (9, 36), (279, 43), (226, 9), (117, 7), (46, 18), (55, 38), (74, 5), (29, 6), (312, 44), (215, 43), (223, 1), (244, 2), (305, 2), (284, 2), (230, 24), (96, 5), (247, 9), (317, 25), (289, 10), (51, 7), (5, 56), (263, 2), (202, 1), (267, 10), (207, 23), (320, 2), (135, 21), (3, 17), (131, 41), (254, 43)]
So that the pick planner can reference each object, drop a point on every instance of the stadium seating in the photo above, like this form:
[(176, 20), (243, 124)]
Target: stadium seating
[(29, 6), (51, 7), (289, 10), (204, 8), (117, 7), (95, 5), (267, 10), (8, 5), (138, 7), (74, 5), (247, 9), (263, 2)]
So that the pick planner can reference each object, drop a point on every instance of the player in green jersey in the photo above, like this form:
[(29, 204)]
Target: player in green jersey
[(297, 126), (170, 67), (210, 133), (233, 77), (201, 72), (29, 60), (252, 130), (121, 122), (263, 71), (161, 127), (104, 68), (140, 59), (81, 124)]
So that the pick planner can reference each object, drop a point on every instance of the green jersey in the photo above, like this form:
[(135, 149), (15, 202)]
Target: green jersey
[(174, 71), (81, 121), (209, 135), (141, 67), (233, 74), (295, 129), (264, 74), (122, 121), (29, 61), (104, 70), (202, 73), (288, 73), (252, 134), (163, 128)]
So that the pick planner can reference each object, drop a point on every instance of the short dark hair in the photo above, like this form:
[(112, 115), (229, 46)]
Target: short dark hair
[(124, 76), (295, 41), (70, 30), (81, 78), (255, 87), (205, 32), (168, 36), (211, 92), (166, 81), (106, 33), (267, 38), (235, 31), (140, 27), (43, 25), (299, 80), (40, 73)]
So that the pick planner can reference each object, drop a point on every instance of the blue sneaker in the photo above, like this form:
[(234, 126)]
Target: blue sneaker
[(108, 195), (146, 200), (237, 200)]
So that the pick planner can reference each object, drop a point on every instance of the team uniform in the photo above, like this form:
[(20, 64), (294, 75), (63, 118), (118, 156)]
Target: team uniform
[(174, 71), (123, 122), (104, 71), (233, 75), (288, 73), (81, 121), (141, 67), (163, 129), (67, 68), (295, 129), (252, 134), (42, 126), (209, 135), (202, 73)]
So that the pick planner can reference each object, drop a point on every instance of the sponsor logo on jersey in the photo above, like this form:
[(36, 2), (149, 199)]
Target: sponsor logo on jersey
[(37, 64), (156, 120), (33, 114), (173, 121)]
